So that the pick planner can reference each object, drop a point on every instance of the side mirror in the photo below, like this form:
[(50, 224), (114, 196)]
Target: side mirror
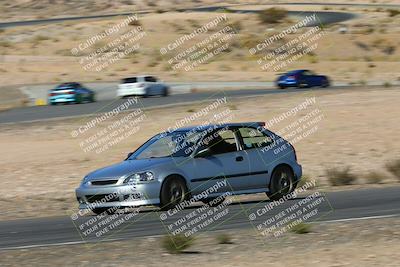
[(203, 153), (129, 154)]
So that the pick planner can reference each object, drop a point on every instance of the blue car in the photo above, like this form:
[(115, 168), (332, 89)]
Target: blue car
[(204, 163), (72, 92), (302, 78)]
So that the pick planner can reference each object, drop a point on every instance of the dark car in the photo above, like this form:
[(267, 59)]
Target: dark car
[(72, 92), (302, 78)]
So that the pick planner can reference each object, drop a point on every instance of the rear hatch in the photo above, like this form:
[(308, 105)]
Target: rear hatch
[(66, 91)]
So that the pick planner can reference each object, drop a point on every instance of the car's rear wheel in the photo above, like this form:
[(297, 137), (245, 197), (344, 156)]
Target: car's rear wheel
[(282, 182), (282, 87), (173, 192), (325, 83), (78, 99), (165, 92)]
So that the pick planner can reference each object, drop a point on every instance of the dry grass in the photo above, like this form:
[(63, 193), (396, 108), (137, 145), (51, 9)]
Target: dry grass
[(301, 228), (176, 244), (224, 238), (340, 176), (375, 177), (272, 15), (394, 168)]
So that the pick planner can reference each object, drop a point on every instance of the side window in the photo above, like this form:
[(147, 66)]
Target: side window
[(150, 79), (220, 141), (130, 80), (253, 138), (308, 73)]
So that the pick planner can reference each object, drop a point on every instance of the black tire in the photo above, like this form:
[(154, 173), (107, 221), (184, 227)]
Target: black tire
[(282, 87), (282, 182), (303, 84), (326, 83), (165, 93), (146, 94), (99, 211), (213, 202), (78, 99), (173, 192)]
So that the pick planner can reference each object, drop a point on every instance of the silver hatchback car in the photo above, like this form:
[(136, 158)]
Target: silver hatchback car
[(172, 167)]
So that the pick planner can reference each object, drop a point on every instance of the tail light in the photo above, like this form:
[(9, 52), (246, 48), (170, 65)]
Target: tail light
[(71, 93), (52, 94), (292, 77)]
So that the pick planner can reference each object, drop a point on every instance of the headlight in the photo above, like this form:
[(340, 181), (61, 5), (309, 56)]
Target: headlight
[(85, 179), (139, 177)]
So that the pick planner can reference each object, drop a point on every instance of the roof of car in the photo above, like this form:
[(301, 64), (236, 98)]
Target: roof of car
[(223, 125), (68, 84), (295, 71), (137, 76)]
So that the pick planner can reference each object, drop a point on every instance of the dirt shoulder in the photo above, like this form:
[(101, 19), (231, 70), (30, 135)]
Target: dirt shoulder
[(11, 97), (356, 243)]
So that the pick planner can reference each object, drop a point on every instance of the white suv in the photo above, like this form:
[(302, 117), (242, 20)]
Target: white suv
[(141, 86)]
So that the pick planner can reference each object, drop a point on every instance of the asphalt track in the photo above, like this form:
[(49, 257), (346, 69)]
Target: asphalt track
[(335, 206), (37, 113)]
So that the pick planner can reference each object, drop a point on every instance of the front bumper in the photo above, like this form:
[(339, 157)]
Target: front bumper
[(90, 197)]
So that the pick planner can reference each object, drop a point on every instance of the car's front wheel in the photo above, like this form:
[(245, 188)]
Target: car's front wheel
[(282, 182), (303, 84), (173, 192)]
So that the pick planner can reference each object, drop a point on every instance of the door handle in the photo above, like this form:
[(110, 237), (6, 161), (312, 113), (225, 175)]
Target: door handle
[(239, 158)]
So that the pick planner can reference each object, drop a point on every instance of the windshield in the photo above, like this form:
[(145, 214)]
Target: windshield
[(175, 144)]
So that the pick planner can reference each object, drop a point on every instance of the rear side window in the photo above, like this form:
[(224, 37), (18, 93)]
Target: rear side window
[(253, 138), (220, 141), (308, 73), (150, 79), (130, 80)]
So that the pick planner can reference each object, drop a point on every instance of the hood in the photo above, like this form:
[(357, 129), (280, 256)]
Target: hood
[(126, 167)]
